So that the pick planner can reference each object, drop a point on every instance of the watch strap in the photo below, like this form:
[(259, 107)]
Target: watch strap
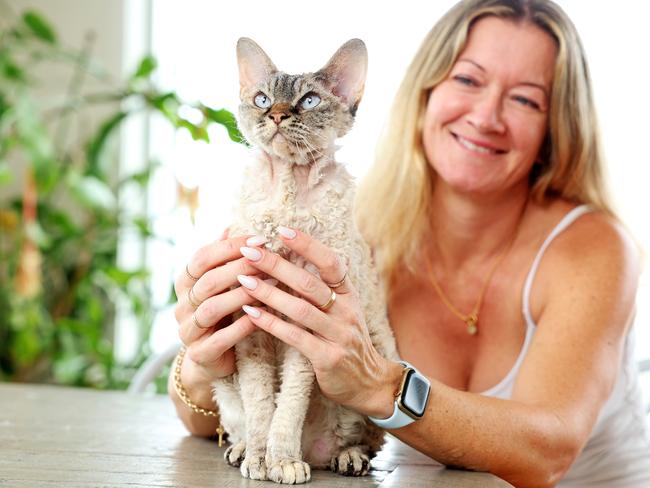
[(398, 418)]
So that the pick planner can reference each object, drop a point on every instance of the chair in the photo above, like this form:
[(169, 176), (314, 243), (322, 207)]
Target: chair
[(644, 369), (151, 368)]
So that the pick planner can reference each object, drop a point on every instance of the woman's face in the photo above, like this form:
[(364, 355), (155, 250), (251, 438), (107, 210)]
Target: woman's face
[(485, 123)]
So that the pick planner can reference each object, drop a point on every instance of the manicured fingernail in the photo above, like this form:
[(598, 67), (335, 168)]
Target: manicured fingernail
[(286, 232), (271, 281), (252, 311), (247, 281), (251, 253), (256, 241)]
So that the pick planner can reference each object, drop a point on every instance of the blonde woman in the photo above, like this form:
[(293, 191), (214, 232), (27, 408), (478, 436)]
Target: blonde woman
[(511, 282)]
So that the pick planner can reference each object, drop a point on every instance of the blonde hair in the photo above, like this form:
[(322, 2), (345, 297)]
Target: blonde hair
[(393, 204)]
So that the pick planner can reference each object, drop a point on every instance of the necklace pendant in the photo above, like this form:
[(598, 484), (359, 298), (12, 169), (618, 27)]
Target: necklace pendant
[(472, 324)]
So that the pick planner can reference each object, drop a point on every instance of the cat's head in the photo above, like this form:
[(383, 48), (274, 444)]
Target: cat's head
[(298, 117)]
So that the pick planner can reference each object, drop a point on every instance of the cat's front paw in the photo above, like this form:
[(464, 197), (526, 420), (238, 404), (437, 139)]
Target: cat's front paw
[(235, 454), (289, 471), (351, 461), (253, 467)]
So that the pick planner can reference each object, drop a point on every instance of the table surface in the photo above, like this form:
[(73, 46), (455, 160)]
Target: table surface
[(55, 436)]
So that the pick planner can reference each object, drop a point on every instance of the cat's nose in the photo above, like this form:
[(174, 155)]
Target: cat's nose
[(278, 116), (279, 113)]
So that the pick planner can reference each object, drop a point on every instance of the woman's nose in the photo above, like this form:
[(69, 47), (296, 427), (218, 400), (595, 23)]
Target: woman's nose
[(486, 114)]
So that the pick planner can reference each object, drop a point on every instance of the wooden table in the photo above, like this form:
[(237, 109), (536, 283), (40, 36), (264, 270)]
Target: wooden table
[(54, 436)]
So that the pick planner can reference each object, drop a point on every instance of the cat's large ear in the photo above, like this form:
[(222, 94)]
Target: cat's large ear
[(254, 64), (346, 72)]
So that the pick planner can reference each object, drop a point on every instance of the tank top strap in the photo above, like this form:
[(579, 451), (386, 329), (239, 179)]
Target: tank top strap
[(566, 221)]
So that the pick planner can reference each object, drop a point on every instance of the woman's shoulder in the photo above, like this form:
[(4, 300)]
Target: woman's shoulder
[(592, 230), (595, 242)]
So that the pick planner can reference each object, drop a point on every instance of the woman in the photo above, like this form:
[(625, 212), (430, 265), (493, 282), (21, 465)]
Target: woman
[(511, 282)]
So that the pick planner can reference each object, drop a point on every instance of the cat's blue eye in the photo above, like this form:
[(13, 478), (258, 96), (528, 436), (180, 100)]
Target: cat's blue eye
[(262, 101), (310, 101)]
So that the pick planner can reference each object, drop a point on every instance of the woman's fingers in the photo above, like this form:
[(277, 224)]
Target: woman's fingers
[(299, 279), (219, 279), (330, 267), (209, 257), (312, 347), (211, 311), (209, 352), (293, 307)]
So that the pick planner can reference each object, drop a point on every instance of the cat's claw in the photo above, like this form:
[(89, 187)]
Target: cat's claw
[(351, 461), (253, 467), (235, 454), (289, 472)]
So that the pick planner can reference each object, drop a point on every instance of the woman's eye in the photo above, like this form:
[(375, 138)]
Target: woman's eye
[(262, 101), (309, 101), (526, 102), (465, 80)]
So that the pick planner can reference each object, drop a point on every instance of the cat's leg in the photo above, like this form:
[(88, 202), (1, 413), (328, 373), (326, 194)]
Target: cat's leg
[(231, 412), (351, 461), (359, 439), (257, 380), (235, 454), (355, 460), (283, 452), (352, 458)]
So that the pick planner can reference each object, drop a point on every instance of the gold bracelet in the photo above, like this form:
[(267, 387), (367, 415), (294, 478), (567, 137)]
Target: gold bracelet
[(182, 394)]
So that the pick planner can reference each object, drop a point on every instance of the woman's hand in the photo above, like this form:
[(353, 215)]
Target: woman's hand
[(205, 305), (348, 368)]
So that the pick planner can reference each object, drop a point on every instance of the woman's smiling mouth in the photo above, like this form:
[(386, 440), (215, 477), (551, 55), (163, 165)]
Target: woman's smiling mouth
[(478, 148)]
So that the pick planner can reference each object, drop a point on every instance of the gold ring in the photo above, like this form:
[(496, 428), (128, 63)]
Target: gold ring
[(190, 275), (191, 297), (325, 306), (196, 322), (338, 283)]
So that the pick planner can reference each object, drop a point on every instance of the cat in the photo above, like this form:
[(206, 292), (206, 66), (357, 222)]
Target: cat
[(278, 422)]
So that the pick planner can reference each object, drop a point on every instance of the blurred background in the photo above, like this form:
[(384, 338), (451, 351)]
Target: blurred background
[(119, 153)]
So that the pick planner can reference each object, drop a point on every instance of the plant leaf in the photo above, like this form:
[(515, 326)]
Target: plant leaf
[(39, 26), (96, 146), (142, 178), (10, 70), (227, 119), (142, 224), (147, 65), (6, 176), (198, 133), (92, 192)]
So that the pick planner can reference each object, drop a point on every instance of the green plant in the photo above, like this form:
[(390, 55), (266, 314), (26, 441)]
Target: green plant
[(59, 277)]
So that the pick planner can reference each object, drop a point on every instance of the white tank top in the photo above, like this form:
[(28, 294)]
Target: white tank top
[(617, 454)]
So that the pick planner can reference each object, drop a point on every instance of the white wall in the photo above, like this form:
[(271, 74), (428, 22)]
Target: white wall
[(73, 21), (195, 43)]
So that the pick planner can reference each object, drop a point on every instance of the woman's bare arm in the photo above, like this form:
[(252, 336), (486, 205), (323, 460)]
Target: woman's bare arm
[(566, 377), (199, 390)]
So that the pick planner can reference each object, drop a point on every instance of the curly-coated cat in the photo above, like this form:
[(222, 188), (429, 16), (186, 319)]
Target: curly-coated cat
[(279, 424)]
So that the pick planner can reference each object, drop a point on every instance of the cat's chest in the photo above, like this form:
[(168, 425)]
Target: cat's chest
[(267, 203)]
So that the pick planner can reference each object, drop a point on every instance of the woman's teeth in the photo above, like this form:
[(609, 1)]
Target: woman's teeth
[(473, 147)]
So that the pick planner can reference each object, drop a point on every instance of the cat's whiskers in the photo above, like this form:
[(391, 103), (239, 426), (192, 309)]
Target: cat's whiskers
[(325, 142), (311, 151), (307, 132), (297, 134)]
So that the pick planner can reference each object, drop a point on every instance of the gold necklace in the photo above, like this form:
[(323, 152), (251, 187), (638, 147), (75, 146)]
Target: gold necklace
[(471, 319)]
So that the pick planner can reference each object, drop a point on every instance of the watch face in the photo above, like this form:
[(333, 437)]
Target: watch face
[(415, 393)]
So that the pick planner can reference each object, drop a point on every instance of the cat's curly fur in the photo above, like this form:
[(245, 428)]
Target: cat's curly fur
[(279, 424)]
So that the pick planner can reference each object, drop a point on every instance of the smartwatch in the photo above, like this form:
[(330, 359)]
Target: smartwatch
[(410, 400)]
